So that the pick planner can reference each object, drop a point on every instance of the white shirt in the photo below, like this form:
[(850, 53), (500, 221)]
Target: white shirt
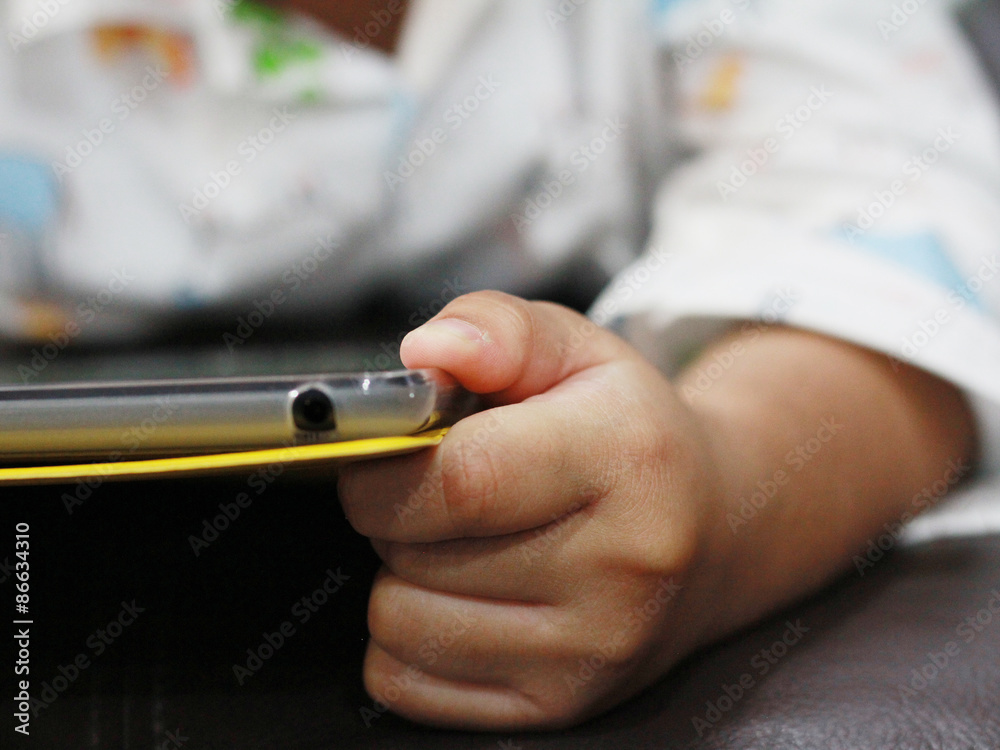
[(829, 165)]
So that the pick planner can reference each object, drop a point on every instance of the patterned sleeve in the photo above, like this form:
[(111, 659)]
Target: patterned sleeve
[(845, 179)]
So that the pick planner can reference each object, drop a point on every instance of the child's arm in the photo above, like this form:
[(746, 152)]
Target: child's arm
[(588, 519)]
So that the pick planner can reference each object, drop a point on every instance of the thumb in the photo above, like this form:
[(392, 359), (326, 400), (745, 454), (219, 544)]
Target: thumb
[(494, 343)]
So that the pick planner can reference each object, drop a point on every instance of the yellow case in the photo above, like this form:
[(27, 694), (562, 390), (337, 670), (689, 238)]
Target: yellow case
[(223, 463)]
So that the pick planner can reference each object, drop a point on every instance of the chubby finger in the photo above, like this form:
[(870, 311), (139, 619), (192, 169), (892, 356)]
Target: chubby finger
[(494, 343), (466, 662), (452, 660), (407, 690), (498, 472), (462, 637), (540, 566)]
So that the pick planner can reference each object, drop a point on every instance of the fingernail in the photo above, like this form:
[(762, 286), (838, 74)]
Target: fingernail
[(452, 328)]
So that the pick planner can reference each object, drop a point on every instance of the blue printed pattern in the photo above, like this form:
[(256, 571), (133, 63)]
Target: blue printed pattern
[(921, 254), (28, 194)]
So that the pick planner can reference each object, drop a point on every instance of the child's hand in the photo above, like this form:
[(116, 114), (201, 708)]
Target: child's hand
[(561, 550), (547, 560)]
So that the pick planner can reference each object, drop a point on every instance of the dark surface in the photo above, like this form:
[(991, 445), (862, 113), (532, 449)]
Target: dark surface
[(980, 19), (837, 687)]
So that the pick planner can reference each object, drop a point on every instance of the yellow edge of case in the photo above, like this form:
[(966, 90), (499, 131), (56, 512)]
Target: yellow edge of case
[(223, 462)]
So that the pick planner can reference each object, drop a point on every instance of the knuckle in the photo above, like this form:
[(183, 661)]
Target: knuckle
[(375, 676), (512, 317), (470, 484), (656, 536), (410, 562), (365, 521), (654, 441), (589, 657), (346, 484), (387, 618), (553, 709), (549, 704), (671, 555), (351, 493), (659, 542), (657, 521), (388, 552), (521, 321)]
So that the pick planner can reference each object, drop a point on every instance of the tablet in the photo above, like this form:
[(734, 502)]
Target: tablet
[(81, 419)]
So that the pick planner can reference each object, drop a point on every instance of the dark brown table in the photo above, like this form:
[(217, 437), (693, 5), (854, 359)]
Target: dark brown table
[(889, 660)]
